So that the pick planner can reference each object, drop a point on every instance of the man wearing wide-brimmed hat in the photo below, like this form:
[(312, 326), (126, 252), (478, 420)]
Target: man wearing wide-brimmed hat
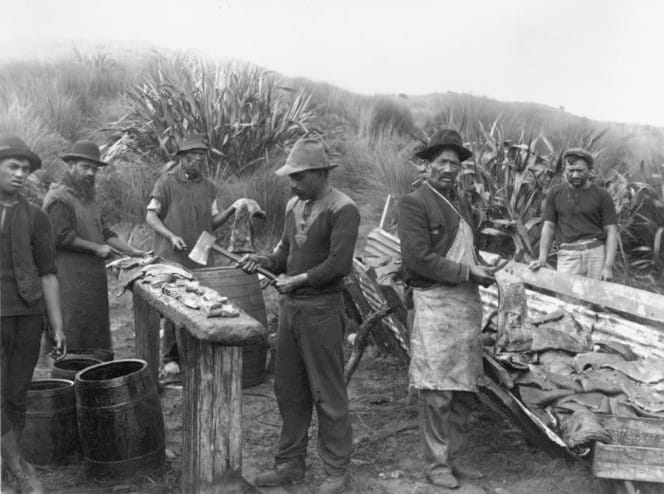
[(438, 251), (28, 290), (314, 255), (582, 216), (82, 243), (183, 204)]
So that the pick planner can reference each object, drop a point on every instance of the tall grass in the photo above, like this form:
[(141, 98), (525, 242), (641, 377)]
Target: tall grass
[(241, 109)]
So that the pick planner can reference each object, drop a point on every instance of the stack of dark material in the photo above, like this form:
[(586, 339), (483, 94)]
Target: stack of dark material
[(566, 379)]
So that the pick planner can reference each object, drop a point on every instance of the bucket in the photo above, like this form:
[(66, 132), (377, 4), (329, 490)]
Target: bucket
[(50, 435), (101, 354), (69, 367), (120, 421), (244, 290)]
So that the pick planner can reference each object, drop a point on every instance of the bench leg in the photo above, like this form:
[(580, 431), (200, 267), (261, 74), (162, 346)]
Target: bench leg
[(146, 327), (211, 414)]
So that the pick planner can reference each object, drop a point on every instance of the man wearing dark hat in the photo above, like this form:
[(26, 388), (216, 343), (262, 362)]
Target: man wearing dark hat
[(183, 204), (438, 251), (82, 243), (28, 289), (583, 218), (314, 255)]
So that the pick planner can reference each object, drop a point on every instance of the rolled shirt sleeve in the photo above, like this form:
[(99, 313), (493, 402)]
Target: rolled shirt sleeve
[(417, 249), (339, 262), (43, 247), (154, 205)]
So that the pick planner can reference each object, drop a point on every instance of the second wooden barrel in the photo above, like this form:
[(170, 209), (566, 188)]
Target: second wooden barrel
[(244, 290), (50, 435), (69, 367), (120, 421)]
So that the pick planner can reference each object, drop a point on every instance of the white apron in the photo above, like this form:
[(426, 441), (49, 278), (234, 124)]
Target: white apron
[(446, 353)]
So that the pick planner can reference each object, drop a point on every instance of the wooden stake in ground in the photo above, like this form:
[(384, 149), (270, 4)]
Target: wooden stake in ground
[(362, 339)]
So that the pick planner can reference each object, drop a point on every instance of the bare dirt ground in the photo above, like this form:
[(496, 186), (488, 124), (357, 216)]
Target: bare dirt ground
[(386, 456)]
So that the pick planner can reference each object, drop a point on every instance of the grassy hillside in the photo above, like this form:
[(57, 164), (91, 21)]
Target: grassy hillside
[(139, 107)]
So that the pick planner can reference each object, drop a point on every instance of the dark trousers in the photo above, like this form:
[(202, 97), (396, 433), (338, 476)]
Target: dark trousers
[(308, 373), (169, 343), (442, 417), (20, 340)]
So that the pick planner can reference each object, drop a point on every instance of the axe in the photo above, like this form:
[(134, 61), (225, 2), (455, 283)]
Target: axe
[(201, 252)]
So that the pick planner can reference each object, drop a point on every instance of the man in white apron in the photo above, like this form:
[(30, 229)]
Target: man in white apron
[(439, 263)]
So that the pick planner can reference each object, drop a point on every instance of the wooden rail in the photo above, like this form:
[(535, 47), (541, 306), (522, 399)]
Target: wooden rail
[(211, 354)]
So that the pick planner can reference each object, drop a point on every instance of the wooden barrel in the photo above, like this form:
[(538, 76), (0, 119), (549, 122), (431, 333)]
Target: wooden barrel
[(120, 421), (245, 291), (69, 367), (50, 435)]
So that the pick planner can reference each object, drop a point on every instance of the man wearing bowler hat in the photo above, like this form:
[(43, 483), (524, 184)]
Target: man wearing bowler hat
[(313, 256), (28, 291), (183, 204), (438, 251), (82, 243), (582, 216)]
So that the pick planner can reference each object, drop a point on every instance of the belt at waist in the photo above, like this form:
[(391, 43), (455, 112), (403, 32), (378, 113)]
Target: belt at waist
[(582, 244)]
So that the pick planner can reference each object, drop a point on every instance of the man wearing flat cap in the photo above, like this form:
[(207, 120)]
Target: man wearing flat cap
[(314, 255), (82, 243), (438, 251), (582, 217), (28, 290), (183, 204)]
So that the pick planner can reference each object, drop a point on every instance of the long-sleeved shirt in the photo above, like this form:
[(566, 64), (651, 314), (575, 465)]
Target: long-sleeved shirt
[(26, 254), (318, 239)]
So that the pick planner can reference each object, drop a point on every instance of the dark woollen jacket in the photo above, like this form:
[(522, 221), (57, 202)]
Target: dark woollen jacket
[(427, 228)]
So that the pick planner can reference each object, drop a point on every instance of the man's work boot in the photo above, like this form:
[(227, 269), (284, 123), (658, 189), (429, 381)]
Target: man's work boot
[(467, 472), (335, 484), (289, 472), (442, 478)]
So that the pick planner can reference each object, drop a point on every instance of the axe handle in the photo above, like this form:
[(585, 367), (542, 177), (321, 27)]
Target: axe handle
[(233, 257)]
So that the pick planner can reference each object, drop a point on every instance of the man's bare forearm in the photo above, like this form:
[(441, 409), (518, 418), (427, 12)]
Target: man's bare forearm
[(152, 219), (221, 218), (545, 241), (82, 245), (51, 289), (124, 247), (611, 246)]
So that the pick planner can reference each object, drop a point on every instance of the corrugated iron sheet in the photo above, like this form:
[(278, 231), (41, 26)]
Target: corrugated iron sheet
[(645, 340)]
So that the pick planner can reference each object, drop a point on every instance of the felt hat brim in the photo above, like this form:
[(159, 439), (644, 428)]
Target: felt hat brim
[(431, 152), (76, 156), (289, 169), (33, 159)]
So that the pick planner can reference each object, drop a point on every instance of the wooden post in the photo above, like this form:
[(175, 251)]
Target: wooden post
[(211, 414), (211, 354), (146, 327)]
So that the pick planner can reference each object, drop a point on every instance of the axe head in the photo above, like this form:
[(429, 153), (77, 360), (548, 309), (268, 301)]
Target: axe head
[(201, 250)]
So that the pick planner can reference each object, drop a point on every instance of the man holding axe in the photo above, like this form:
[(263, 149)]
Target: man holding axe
[(313, 256), (183, 204)]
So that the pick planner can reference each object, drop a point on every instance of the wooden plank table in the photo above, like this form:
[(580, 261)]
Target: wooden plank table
[(211, 353)]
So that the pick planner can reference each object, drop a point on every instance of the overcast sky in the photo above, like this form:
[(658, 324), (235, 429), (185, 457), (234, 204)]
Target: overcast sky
[(601, 59)]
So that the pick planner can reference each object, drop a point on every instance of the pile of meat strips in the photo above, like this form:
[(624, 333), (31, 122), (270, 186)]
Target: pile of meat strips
[(566, 378)]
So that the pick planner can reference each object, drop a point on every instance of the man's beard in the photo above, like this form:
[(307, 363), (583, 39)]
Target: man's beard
[(87, 189), (82, 187)]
